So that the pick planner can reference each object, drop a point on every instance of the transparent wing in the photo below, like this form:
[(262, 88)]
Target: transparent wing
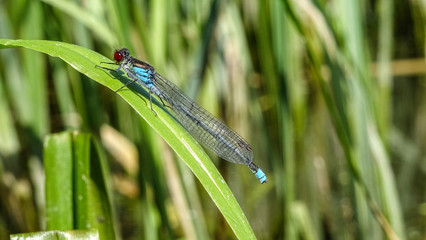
[(203, 126)]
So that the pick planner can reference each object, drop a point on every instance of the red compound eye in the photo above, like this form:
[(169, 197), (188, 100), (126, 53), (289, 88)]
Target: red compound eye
[(118, 56)]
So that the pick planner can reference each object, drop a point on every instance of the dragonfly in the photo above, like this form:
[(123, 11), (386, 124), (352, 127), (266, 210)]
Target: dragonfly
[(208, 130)]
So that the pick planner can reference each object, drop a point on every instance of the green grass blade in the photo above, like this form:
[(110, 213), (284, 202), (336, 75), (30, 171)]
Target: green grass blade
[(76, 192), (84, 61), (91, 199), (58, 160), (86, 18), (8, 134)]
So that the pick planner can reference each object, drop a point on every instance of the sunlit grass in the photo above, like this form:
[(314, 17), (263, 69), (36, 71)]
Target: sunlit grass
[(314, 88)]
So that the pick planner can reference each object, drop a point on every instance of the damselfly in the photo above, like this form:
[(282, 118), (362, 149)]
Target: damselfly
[(203, 126)]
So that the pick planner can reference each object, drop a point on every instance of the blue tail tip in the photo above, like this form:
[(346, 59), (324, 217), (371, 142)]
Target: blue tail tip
[(261, 176)]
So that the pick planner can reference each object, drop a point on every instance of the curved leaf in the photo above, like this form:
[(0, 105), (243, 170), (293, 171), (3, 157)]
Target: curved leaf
[(84, 61)]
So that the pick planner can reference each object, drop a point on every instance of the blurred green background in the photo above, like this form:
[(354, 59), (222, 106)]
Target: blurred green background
[(330, 94)]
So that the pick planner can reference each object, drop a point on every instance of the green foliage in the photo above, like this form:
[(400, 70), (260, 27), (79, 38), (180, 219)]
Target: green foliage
[(58, 152), (341, 143), (76, 185)]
